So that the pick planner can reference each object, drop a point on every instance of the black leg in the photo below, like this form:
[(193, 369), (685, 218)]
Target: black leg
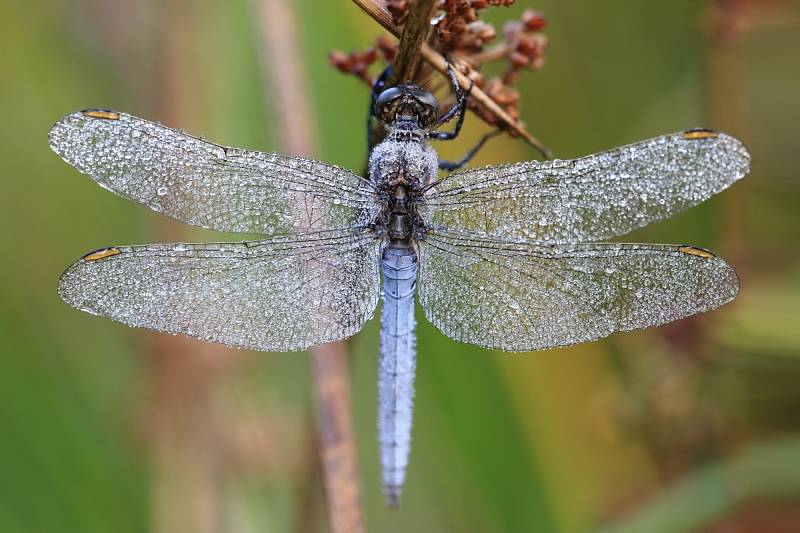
[(454, 165), (377, 89), (459, 92), (459, 109)]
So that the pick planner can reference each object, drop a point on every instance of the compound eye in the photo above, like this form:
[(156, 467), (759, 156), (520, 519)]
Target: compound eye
[(427, 99), (388, 95), (429, 107)]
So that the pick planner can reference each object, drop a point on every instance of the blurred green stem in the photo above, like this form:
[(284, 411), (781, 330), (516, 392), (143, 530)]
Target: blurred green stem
[(768, 470)]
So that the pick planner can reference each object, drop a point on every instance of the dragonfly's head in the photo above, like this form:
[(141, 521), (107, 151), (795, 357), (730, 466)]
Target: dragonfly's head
[(407, 103)]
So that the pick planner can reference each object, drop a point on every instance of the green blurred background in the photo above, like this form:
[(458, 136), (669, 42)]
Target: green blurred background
[(690, 427)]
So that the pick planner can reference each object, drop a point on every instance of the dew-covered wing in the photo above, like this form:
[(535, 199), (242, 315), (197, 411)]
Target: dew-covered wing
[(280, 294), (202, 183), (592, 198), (522, 297)]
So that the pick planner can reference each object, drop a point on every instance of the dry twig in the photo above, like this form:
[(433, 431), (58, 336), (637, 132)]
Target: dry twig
[(415, 31)]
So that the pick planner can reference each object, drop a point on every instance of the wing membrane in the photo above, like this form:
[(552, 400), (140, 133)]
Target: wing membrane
[(280, 294), (522, 297), (592, 198), (208, 185)]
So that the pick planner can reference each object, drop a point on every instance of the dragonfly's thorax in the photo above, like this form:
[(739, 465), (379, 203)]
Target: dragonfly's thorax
[(401, 166), (404, 156), (401, 214)]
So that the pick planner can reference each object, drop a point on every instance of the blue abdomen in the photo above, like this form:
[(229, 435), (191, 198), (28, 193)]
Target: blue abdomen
[(397, 365)]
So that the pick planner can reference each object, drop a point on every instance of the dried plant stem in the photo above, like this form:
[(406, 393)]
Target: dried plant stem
[(491, 54), (184, 436), (415, 30), (375, 10), (337, 444), (183, 373), (725, 99), (283, 67)]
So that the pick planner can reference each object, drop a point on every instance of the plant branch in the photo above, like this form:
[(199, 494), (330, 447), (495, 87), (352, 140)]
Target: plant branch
[(437, 61), (337, 441), (415, 31)]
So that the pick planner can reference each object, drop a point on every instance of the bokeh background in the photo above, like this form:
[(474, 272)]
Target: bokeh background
[(690, 427)]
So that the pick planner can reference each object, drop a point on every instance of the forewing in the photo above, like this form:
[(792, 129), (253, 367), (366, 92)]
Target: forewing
[(280, 294), (592, 198), (208, 185), (522, 297)]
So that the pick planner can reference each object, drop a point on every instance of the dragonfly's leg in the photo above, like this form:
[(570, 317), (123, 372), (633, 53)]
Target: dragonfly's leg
[(377, 89), (454, 165), (459, 109)]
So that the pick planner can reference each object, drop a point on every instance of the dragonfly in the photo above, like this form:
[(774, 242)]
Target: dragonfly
[(509, 257)]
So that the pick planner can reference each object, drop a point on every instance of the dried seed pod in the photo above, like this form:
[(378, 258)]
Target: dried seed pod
[(476, 35), (355, 63), (518, 59), (399, 10), (533, 20), (387, 46)]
